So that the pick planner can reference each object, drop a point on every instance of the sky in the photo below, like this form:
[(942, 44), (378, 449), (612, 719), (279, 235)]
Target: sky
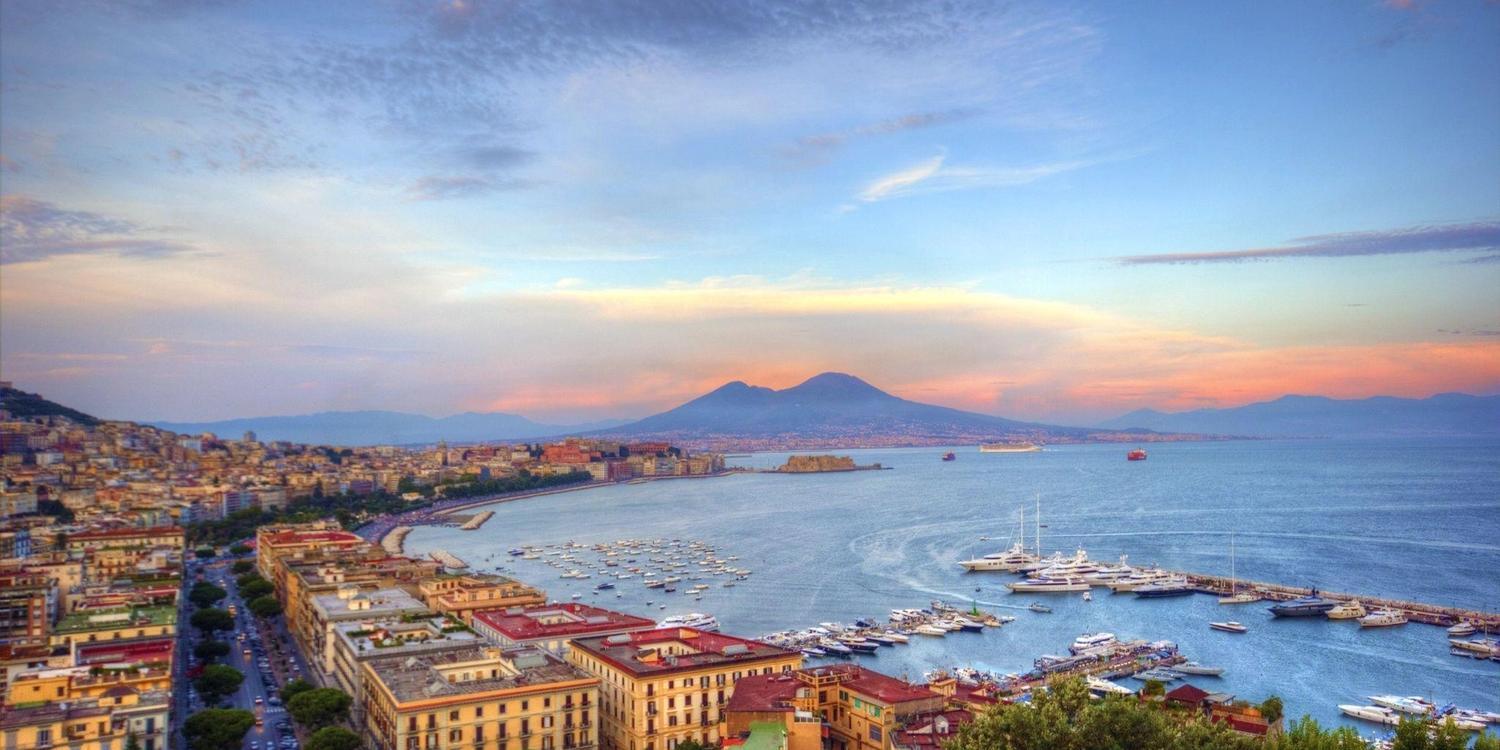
[(578, 210)]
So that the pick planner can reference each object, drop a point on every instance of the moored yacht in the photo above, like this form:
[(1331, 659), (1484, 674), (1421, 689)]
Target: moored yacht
[(1169, 587), (1462, 629), (1383, 618), (1078, 565), (1050, 585), (1228, 627), (1311, 605), (1411, 704), (1089, 642), (691, 620), (1376, 714), (1138, 579), (1350, 610), (1009, 561), (1200, 670)]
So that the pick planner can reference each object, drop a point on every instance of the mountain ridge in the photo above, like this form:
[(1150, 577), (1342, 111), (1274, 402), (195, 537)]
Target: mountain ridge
[(375, 426), (1299, 415)]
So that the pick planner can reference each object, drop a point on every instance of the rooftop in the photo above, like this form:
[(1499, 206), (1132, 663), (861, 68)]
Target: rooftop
[(418, 677), (558, 621), (879, 686), (672, 649), (764, 692), (117, 617), (311, 537), (388, 601), (393, 635)]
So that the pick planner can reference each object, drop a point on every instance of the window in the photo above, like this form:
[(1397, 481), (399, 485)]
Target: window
[(455, 735), (525, 705), (502, 709), (547, 721), (671, 702), (452, 716), (479, 712), (874, 733), (547, 702)]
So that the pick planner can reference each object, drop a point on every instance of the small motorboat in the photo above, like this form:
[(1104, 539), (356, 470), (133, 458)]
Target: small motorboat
[(1039, 608), (1160, 674), (1200, 670), (1229, 627), (1462, 629)]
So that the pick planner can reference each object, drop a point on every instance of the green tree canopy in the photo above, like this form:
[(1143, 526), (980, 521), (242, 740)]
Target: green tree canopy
[(247, 579), (292, 688), (240, 549), (217, 728), (335, 738), (241, 567), (265, 606), (211, 650), (205, 594), (256, 589), (210, 620), (1271, 708), (204, 553), (319, 707), (217, 681)]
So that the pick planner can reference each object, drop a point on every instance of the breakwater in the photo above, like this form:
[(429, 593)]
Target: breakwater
[(477, 521), (1430, 614)]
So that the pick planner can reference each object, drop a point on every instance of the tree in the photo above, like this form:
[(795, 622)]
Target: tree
[(294, 687), (209, 620), (241, 567), (339, 738), (247, 579), (1154, 688), (1487, 741), (211, 650), (256, 589), (204, 553), (265, 606), (319, 707), (1271, 709), (1305, 734), (205, 594), (240, 549), (217, 681), (217, 728)]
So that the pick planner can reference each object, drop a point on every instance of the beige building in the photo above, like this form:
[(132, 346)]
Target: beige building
[(478, 698), (662, 687)]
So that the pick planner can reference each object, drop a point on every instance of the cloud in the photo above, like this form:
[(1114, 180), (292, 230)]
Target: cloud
[(813, 149), (1418, 239), (932, 176), (33, 230), (441, 187)]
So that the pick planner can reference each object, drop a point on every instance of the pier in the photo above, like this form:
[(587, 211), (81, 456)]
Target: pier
[(448, 559), (477, 521), (1429, 614), (394, 541)]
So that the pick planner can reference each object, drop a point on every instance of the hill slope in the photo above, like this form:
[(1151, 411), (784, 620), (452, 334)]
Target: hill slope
[(25, 405), (833, 408), (1443, 415), (383, 427)]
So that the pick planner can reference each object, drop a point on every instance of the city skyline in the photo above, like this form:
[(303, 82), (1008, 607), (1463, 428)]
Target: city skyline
[(1048, 212)]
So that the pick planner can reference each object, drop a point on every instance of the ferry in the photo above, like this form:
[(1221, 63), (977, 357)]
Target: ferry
[(1089, 642), (696, 620), (1228, 627), (1009, 448), (1136, 455), (1311, 605)]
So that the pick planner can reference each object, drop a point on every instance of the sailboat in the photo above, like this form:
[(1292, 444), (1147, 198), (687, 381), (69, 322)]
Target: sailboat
[(1241, 597)]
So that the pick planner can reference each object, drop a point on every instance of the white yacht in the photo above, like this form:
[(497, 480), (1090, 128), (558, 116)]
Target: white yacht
[(1350, 610), (1147, 577), (926, 629), (691, 620), (1092, 642), (1107, 573), (1105, 687), (1009, 561), (1050, 585), (1078, 565), (1462, 629), (1383, 618), (1376, 714), (1411, 704)]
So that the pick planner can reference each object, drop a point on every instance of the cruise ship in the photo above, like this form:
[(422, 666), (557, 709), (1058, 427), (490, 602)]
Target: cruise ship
[(1009, 448), (691, 620), (1311, 605)]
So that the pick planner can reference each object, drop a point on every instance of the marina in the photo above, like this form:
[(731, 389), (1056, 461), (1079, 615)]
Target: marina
[(841, 547)]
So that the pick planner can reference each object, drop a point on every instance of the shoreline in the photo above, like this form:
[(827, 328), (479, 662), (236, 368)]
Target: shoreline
[(393, 540)]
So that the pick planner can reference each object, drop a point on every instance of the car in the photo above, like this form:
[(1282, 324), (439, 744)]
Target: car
[(259, 700)]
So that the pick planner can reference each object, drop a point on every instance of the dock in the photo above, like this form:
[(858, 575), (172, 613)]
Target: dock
[(477, 520), (448, 559), (1429, 614), (394, 541)]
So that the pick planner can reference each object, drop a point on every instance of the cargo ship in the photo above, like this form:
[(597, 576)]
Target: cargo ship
[(1008, 448), (1136, 455)]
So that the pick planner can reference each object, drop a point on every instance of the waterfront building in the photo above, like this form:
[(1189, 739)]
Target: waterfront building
[(661, 687), (479, 697), (554, 626), (350, 603), (461, 595), (354, 643), (861, 709)]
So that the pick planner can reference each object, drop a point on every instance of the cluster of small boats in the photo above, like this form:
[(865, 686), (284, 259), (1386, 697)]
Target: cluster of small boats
[(1391, 709), (1099, 657), (668, 565), (866, 636)]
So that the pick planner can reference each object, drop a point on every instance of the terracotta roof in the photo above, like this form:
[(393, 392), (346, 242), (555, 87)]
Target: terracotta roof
[(631, 651), (559, 620), (1187, 694), (764, 692), (882, 687)]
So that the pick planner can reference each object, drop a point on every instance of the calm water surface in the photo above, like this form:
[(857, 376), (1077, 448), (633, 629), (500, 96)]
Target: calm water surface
[(1411, 519)]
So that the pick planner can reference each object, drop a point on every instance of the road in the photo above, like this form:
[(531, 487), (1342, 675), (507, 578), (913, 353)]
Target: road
[(266, 662)]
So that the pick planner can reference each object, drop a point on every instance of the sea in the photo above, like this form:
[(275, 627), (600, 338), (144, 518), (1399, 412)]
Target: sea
[(1408, 519)]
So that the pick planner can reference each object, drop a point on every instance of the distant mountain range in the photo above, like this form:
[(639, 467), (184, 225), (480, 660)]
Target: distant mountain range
[(385, 427), (1443, 415), (835, 409)]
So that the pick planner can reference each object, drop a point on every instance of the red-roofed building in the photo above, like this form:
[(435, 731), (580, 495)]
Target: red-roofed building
[(859, 709), (273, 543), (554, 626), (931, 731)]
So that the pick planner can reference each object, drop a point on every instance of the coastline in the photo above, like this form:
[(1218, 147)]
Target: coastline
[(393, 540)]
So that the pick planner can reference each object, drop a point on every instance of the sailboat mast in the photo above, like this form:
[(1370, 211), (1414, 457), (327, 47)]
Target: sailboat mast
[(1038, 526), (1231, 563)]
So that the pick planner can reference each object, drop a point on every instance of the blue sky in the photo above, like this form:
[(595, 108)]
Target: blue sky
[(579, 209)]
